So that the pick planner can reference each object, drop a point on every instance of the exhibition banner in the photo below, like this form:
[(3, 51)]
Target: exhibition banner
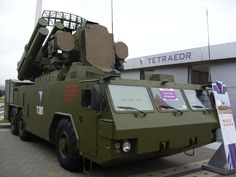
[(226, 122)]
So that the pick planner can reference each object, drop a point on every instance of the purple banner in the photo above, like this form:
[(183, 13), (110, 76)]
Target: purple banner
[(232, 156), (219, 87)]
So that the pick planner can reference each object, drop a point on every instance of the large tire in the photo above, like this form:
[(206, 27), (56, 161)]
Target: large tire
[(23, 134), (65, 144), (14, 122)]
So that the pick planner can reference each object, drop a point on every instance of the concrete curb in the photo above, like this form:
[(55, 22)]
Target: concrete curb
[(4, 125)]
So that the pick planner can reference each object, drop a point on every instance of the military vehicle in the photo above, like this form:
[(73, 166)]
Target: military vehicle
[(75, 98)]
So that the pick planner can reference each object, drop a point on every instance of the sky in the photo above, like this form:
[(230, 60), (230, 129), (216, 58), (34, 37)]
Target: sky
[(147, 26)]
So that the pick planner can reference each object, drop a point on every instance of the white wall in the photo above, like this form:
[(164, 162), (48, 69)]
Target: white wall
[(180, 73), (131, 74), (226, 72)]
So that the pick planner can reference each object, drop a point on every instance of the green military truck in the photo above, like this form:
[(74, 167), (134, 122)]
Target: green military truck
[(76, 99)]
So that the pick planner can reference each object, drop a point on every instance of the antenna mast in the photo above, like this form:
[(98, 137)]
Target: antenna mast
[(38, 12), (113, 44), (209, 47), (208, 36), (112, 16)]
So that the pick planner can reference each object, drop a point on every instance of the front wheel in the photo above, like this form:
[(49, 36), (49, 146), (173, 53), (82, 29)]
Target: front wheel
[(65, 144)]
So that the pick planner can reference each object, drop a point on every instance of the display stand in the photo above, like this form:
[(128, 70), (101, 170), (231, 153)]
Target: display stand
[(218, 163), (224, 159)]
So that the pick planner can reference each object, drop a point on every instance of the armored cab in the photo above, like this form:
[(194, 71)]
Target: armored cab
[(77, 100)]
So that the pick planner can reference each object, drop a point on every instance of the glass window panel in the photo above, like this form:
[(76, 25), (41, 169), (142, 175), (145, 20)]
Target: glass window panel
[(130, 96), (198, 99), (168, 99)]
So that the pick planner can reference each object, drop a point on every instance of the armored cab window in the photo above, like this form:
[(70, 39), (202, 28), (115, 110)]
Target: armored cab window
[(198, 99), (86, 96), (127, 98), (168, 99)]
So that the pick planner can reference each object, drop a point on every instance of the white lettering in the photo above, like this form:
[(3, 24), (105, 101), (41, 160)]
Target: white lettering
[(39, 110)]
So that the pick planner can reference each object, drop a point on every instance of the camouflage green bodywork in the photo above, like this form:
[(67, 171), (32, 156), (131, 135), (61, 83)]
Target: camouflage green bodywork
[(97, 131), (82, 95)]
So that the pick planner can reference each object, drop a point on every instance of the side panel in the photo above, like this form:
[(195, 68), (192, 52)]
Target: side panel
[(66, 98), (87, 121), (7, 98), (13, 95), (34, 123), (11, 92), (41, 102)]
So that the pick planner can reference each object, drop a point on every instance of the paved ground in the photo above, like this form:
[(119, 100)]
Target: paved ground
[(38, 159)]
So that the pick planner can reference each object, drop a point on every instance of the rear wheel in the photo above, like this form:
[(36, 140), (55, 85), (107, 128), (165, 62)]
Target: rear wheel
[(14, 122), (65, 144), (23, 134)]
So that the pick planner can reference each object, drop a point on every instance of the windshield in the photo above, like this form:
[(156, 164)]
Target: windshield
[(168, 99), (198, 99), (124, 97)]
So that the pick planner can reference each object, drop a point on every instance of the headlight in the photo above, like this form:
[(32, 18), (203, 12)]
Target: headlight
[(126, 147)]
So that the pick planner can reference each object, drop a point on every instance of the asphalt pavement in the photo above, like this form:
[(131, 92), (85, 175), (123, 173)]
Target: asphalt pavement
[(37, 158)]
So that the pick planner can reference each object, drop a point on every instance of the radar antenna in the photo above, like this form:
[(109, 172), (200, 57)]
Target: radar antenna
[(70, 21)]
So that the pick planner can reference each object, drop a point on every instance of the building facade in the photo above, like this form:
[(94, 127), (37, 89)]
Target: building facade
[(198, 66)]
